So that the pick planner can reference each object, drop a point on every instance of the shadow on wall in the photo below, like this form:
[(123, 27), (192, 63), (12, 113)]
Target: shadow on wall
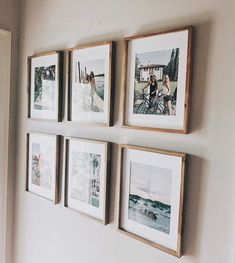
[(194, 172), (201, 52), (113, 183)]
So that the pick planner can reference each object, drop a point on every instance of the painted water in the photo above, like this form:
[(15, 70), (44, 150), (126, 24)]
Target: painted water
[(99, 80), (150, 213), (84, 100)]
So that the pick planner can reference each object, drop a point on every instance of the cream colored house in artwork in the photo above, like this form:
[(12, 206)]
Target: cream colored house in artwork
[(151, 69)]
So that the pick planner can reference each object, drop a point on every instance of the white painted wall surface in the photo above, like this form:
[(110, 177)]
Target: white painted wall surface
[(47, 233), (9, 10), (5, 61)]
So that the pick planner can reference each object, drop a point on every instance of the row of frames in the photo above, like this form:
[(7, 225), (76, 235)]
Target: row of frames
[(155, 82), (151, 185)]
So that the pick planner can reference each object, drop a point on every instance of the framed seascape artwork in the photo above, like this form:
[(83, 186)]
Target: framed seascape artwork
[(157, 80), (43, 151), (90, 83), (87, 177), (45, 77), (151, 196)]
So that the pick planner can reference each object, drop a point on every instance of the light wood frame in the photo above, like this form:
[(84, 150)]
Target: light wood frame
[(107, 158), (57, 168), (188, 81), (60, 66), (178, 252), (111, 81)]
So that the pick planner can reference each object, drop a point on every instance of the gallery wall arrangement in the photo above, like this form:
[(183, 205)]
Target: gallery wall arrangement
[(155, 96)]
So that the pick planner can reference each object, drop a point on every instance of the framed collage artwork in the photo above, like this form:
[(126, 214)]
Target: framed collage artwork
[(45, 80), (87, 177), (43, 153)]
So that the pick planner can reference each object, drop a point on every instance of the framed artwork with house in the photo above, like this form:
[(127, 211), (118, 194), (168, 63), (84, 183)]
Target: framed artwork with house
[(156, 81), (45, 80)]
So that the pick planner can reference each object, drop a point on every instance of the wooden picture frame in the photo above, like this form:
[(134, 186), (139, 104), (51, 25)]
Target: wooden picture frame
[(132, 219), (96, 56), (52, 58), (49, 193), (153, 47), (88, 207)]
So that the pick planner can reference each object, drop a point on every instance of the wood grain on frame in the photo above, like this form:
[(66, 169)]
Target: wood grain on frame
[(112, 51), (57, 168), (60, 65), (107, 162), (178, 251), (124, 89)]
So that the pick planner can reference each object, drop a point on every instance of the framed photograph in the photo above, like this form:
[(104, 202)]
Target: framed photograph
[(151, 196), (90, 84), (45, 80), (43, 152), (157, 80), (87, 177)]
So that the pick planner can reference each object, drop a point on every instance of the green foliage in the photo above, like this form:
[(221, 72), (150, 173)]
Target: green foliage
[(38, 82), (46, 73), (176, 66), (95, 160), (137, 70), (173, 66)]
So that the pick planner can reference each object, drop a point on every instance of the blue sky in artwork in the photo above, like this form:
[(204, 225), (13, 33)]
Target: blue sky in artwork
[(151, 182), (155, 57), (97, 66)]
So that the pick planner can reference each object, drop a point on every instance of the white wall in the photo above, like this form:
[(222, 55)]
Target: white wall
[(5, 60), (47, 233), (9, 11)]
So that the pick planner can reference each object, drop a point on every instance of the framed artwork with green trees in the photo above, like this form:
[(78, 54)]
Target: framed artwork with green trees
[(87, 177), (45, 74), (156, 80)]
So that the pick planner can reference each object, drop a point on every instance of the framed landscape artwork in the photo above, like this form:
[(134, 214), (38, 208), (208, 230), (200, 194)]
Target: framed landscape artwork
[(87, 172), (90, 84), (151, 196), (42, 165), (45, 76), (157, 80)]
